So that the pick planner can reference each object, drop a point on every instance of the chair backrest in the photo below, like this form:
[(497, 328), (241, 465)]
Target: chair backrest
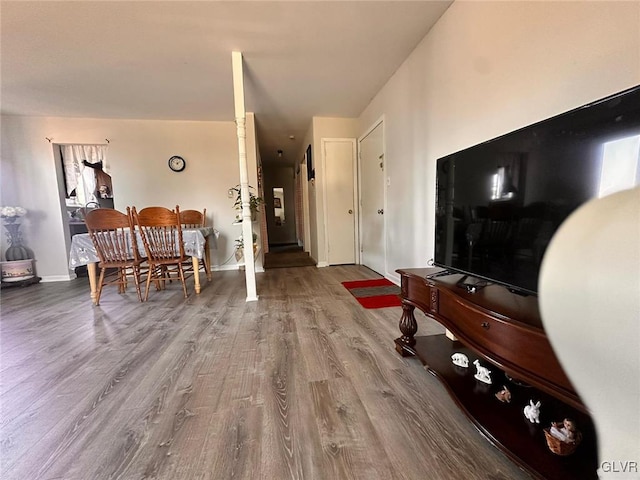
[(161, 232), (193, 218), (111, 232)]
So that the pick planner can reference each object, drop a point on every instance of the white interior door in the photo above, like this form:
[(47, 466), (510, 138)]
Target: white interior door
[(372, 234), (339, 157)]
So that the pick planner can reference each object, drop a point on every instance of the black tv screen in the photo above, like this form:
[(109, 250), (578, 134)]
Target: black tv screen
[(499, 203)]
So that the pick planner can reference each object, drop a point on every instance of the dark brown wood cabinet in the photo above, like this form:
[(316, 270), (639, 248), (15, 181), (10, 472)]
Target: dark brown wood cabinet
[(504, 331)]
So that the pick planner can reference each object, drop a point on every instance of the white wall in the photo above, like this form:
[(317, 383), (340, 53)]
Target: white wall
[(137, 156), (485, 69)]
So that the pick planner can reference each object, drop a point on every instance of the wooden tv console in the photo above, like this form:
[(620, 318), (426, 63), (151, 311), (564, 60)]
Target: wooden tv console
[(504, 331)]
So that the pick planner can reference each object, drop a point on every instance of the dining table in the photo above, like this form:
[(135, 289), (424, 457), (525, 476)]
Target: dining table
[(196, 245)]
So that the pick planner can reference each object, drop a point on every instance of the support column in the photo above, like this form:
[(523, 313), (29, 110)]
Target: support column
[(247, 228)]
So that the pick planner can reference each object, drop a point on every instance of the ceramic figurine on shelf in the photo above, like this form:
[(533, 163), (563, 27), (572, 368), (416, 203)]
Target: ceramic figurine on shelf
[(565, 431), (460, 359), (563, 437), (483, 374), (504, 395), (532, 412)]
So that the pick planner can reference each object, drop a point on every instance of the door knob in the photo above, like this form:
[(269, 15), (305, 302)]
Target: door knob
[(350, 211), (380, 212)]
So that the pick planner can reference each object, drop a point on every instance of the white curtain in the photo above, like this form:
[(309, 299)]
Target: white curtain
[(77, 174)]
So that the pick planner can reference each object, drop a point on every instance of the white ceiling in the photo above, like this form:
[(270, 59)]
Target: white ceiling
[(172, 60)]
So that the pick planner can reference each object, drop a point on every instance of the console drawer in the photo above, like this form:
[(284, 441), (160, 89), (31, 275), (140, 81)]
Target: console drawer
[(512, 346)]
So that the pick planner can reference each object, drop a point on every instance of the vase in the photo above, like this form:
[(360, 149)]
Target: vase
[(16, 250), (239, 254)]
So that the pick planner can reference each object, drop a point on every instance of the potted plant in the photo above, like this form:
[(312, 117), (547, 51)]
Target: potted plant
[(239, 247), (254, 203)]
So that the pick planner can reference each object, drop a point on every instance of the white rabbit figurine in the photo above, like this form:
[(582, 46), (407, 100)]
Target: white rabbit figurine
[(532, 412)]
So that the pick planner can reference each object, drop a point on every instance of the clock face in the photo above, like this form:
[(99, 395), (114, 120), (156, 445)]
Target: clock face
[(177, 163)]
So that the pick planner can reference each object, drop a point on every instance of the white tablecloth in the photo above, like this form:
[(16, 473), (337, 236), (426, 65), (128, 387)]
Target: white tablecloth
[(83, 252)]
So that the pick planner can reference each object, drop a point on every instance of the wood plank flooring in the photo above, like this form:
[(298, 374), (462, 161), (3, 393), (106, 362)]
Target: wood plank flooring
[(302, 384)]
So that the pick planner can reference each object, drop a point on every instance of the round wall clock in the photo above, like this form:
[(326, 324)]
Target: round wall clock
[(177, 163)]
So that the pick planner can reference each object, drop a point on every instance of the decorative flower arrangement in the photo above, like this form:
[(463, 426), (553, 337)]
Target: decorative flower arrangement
[(239, 243), (16, 250), (254, 202), (239, 247), (11, 214)]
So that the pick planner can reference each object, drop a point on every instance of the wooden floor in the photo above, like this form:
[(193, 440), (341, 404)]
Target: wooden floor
[(302, 384)]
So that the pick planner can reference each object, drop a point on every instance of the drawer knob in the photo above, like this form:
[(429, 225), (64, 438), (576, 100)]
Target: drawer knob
[(485, 325)]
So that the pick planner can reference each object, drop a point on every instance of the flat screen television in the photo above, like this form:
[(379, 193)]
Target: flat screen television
[(499, 203)]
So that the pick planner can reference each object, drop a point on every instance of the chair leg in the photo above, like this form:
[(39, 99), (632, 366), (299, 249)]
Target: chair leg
[(156, 280), (184, 283), (166, 273), (207, 267), (161, 280), (149, 275), (100, 284), (136, 279), (122, 279)]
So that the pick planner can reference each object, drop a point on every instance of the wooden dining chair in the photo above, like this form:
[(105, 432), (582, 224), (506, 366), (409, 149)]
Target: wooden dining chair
[(196, 219), (112, 234), (161, 234), (193, 218)]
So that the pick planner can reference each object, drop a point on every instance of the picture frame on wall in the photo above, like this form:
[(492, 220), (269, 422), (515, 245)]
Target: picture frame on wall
[(311, 173)]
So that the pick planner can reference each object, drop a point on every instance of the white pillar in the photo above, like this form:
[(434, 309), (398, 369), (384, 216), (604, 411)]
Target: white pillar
[(247, 230)]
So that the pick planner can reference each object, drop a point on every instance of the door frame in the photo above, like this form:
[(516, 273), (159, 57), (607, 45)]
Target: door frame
[(356, 209), (306, 213), (380, 121)]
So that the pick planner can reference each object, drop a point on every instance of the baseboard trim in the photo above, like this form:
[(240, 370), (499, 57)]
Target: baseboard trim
[(222, 268), (58, 278), (393, 278)]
